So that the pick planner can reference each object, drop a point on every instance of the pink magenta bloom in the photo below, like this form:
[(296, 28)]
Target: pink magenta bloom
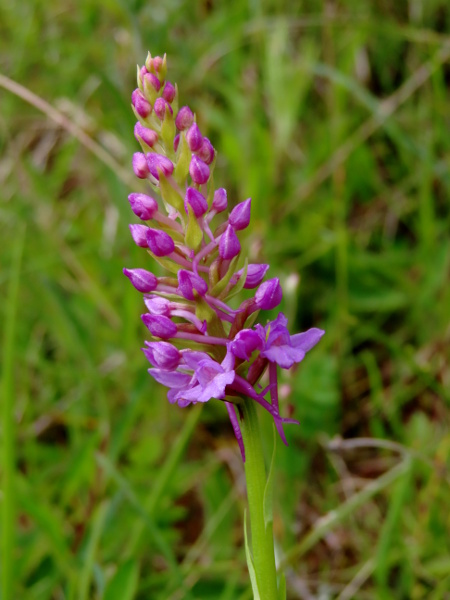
[(240, 215), (229, 245), (148, 136), (143, 206), (184, 118), (203, 266), (282, 348), (140, 166), (142, 280), (198, 170), (158, 163), (162, 355)]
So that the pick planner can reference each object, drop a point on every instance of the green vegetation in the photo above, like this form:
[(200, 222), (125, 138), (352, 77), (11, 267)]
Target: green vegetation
[(334, 118)]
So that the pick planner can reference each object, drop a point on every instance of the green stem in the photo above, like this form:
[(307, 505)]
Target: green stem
[(255, 474)]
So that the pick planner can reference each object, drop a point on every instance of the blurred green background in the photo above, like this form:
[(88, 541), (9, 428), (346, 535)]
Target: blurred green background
[(334, 117)]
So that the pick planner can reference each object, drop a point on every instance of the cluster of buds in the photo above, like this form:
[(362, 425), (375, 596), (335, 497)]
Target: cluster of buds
[(201, 348)]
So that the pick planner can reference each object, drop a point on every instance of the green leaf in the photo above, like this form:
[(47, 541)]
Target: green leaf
[(194, 234), (123, 585), (282, 588), (169, 195), (268, 492), (222, 283), (168, 131), (184, 159), (240, 283), (251, 568), (166, 263), (205, 313)]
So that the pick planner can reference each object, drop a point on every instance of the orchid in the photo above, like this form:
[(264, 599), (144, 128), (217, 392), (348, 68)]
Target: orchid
[(202, 345), (209, 264)]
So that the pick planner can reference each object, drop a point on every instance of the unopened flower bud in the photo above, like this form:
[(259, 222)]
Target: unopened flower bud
[(140, 166), (245, 342), (139, 235), (194, 137), (162, 355), (148, 136), (151, 79), (143, 206), (188, 282), (255, 274), (229, 245), (198, 170), (142, 280), (159, 242), (141, 104), (159, 326), (160, 108), (158, 306), (196, 201), (269, 294), (176, 142), (169, 92), (184, 118), (158, 63), (240, 215), (158, 162), (206, 152), (220, 202)]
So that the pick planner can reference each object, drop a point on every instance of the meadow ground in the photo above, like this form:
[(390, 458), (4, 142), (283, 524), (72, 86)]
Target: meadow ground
[(334, 118)]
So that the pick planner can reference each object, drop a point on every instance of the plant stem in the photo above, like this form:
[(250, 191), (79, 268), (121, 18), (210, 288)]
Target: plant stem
[(255, 474)]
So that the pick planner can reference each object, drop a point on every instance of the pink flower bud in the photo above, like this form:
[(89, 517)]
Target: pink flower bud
[(198, 170), (141, 104), (196, 201), (148, 136), (159, 242), (194, 137), (159, 326), (255, 274), (229, 245), (220, 202), (188, 282), (139, 235), (143, 206), (162, 355), (158, 306), (169, 92), (245, 342), (184, 118), (206, 152), (157, 63), (153, 81), (269, 294), (160, 108), (142, 280), (158, 162), (176, 142), (240, 215), (140, 166)]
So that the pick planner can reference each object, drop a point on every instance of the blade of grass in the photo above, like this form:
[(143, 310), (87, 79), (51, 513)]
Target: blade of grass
[(64, 122), (385, 110), (328, 521), (8, 425), (165, 474), (98, 523), (398, 498), (146, 518)]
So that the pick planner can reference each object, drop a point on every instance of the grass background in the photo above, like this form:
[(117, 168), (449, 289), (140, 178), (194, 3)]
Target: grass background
[(333, 116)]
